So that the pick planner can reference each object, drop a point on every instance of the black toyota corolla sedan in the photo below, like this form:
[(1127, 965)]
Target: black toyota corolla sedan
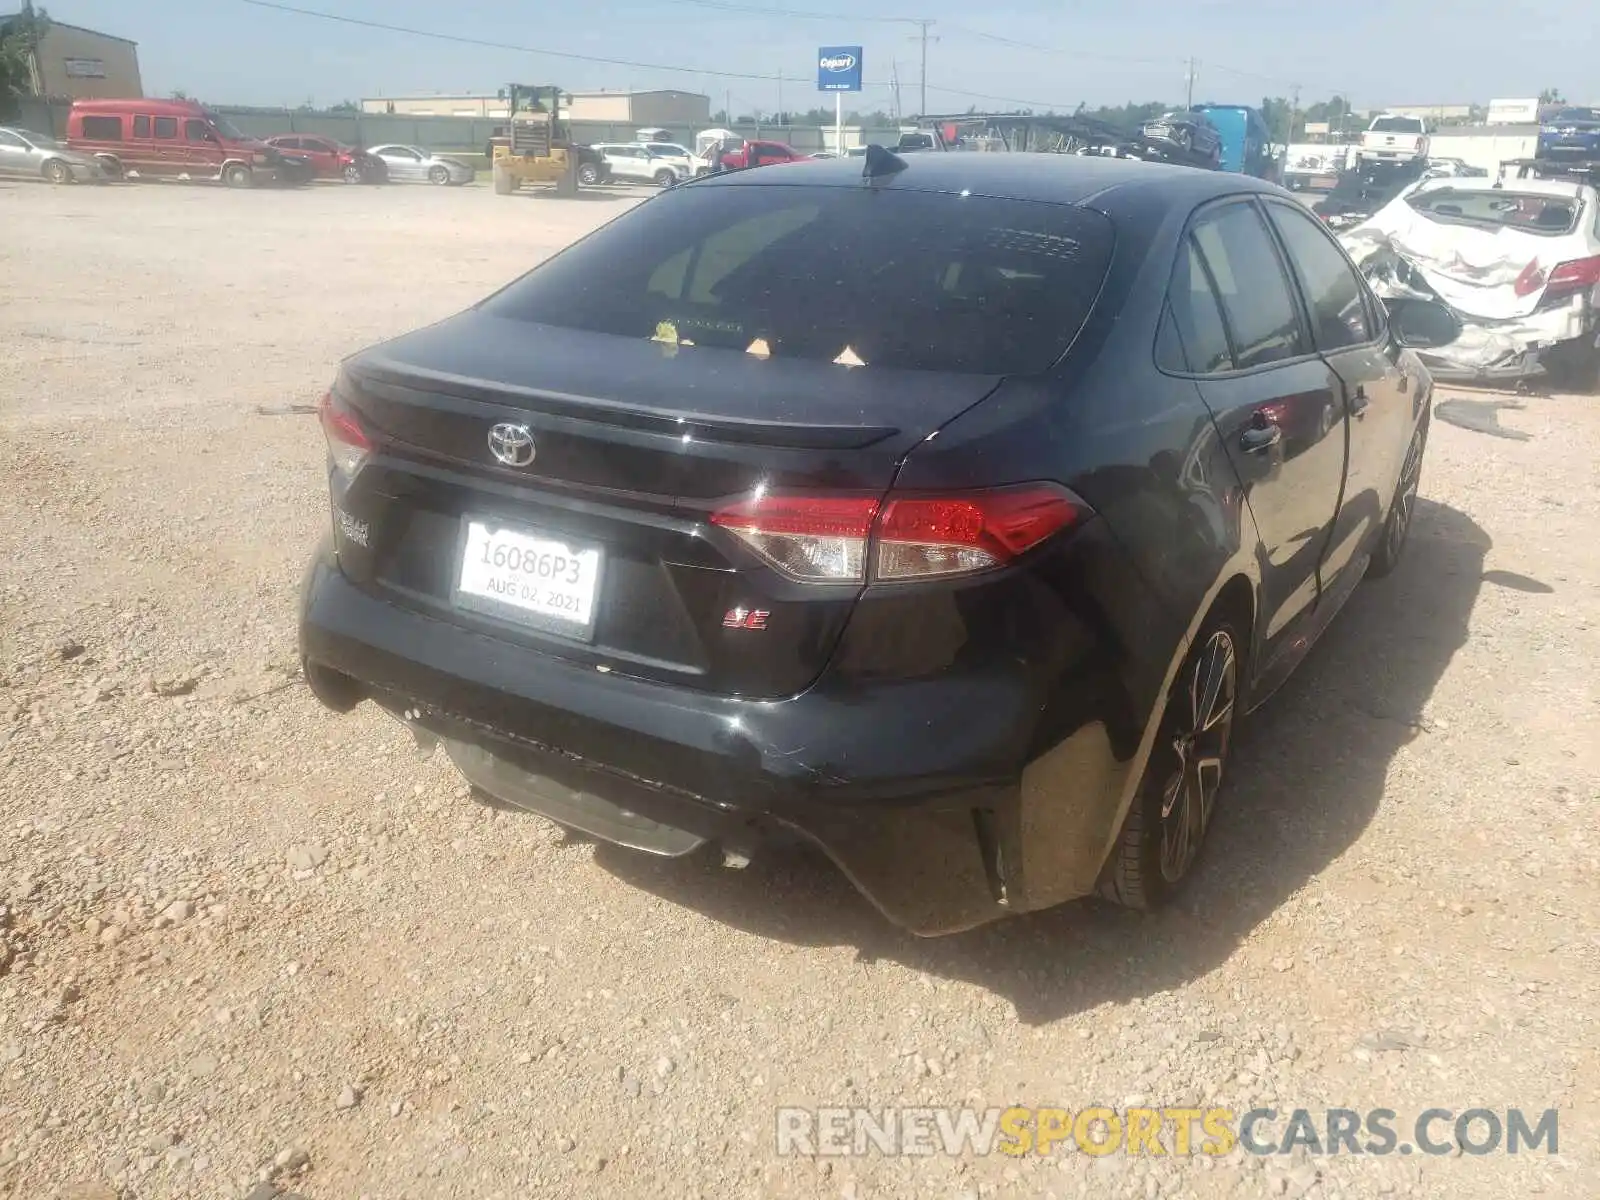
[(945, 511)]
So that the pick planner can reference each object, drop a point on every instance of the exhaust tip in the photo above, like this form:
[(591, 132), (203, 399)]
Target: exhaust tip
[(333, 689)]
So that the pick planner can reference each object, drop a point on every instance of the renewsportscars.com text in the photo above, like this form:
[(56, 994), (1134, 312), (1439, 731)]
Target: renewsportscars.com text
[(1180, 1132)]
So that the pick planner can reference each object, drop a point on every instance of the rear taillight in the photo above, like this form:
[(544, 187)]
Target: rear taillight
[(348, 444), (832, 539), (1576, 275), (820, 539)]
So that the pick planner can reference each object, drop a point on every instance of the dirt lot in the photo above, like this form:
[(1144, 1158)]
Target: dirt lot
[(245, 939)]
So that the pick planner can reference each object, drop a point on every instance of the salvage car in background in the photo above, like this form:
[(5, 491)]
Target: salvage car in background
[(671, 554), (1572, 134), (1189, 135), (1362, 191), (1454, 168), (1517, 260), (23, 152), (413, 164), (753, 152), (332, 160), (688, 163), (632, 162)]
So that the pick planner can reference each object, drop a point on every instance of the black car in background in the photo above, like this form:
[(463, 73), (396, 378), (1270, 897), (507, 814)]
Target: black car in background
[(1363, 190), (960, 553), (1189, 135)]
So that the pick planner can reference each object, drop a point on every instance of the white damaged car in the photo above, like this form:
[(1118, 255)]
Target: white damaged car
[(1519, 262)]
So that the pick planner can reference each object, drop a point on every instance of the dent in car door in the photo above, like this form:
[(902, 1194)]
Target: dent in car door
[(1276, 407), (1379, 399)]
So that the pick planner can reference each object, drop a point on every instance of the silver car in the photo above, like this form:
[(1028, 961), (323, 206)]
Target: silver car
[(25, 153), (412, 164)]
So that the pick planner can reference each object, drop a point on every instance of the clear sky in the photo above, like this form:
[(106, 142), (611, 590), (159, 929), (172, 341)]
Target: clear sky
[(1037, 52)]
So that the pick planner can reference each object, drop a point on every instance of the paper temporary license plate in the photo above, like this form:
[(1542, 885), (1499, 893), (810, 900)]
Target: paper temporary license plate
[(523, 576)]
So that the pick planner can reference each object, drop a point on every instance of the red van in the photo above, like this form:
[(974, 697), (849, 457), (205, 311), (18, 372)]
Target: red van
[(169, 139)]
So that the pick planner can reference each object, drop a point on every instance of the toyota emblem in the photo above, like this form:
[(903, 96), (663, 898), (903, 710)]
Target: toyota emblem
[(511, 444)]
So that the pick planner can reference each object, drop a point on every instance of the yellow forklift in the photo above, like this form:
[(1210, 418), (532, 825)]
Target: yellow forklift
[(536, 146)]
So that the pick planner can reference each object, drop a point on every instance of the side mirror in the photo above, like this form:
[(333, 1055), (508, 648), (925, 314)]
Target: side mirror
[(1422, 324)]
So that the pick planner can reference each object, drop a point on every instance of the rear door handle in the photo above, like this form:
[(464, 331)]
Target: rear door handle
[(1359, 402), (1261, 434)]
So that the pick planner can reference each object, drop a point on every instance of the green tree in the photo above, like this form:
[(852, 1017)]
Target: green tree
[(1288, 123), (1552, 96), (19, 39)]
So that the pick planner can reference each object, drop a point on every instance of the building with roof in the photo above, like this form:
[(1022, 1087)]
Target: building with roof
[(662, 108), (83, 64)]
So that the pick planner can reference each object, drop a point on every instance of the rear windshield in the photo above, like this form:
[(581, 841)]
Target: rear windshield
[(1397, 125), (1525, 211), (875, 277)]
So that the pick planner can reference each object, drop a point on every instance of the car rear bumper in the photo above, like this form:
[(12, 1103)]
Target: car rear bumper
[(905, 786)]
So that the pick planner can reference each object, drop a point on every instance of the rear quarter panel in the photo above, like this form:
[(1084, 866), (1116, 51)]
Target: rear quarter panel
[(1103, 626)]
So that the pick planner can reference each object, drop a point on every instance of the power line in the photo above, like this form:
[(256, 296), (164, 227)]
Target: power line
[(617, 62), (754, 10), (495, 45), (968, 31)]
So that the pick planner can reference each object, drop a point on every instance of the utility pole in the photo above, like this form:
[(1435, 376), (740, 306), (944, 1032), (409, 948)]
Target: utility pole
[(781, 114), (1294, 113), (1189, 100), (922, 35), (894, 90), (727, 111)]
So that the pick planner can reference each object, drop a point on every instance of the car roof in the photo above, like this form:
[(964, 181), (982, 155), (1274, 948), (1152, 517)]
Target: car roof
[(1048, 178), (188, 107)]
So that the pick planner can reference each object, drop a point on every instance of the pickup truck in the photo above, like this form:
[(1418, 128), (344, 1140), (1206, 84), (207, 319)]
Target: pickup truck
[(1392, 138)]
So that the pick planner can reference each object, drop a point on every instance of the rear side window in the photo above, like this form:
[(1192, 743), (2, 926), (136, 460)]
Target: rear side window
[(1256, 302), (141, 127), (166, 127), (1332, 292), (1195, 339), (103, 129), (1531, 212), (900, 279)]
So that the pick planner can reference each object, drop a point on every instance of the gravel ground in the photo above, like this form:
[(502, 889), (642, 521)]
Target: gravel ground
[(247, 947)]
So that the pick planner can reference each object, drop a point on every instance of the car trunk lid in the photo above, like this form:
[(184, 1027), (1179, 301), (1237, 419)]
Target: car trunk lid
[(635, 445)]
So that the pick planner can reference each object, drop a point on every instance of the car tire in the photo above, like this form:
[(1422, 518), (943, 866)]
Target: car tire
[(238, 176), (1165, 829), (439, 175), (1397, 526), (57, 171), (111, 165), (666, 178), (588, 174), (352, 173)]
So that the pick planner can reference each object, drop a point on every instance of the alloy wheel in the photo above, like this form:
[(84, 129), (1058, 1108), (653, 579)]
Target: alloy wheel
[(1200, 722)]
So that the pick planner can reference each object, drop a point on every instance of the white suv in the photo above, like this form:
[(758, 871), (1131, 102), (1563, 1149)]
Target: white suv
[(679, 156), (634, 163)]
